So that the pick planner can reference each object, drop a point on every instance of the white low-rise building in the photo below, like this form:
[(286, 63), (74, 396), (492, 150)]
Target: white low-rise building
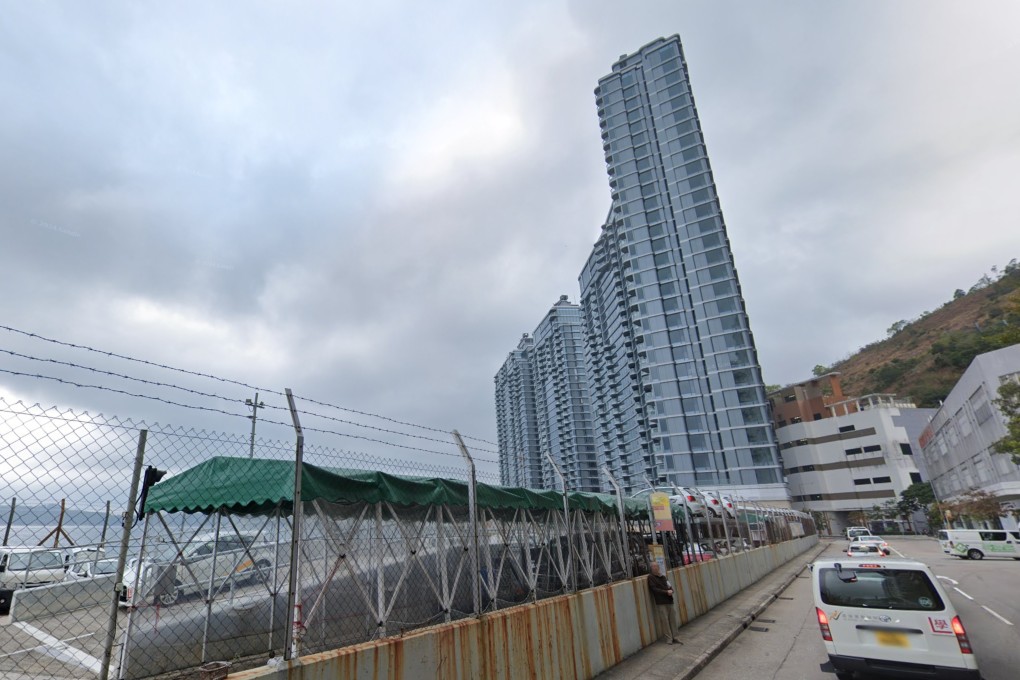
[(845, 456), (957, 443)]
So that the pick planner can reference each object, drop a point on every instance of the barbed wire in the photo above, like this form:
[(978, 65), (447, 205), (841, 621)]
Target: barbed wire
[(264, 390), (155, 383)]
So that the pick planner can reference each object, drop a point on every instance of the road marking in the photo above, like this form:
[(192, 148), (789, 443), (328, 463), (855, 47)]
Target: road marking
[(60, 650), (962, 593), (896, 551), (946, 578), (1006, 621)]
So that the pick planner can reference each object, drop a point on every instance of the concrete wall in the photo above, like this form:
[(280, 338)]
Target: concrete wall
[(570, 636), (59, 598)]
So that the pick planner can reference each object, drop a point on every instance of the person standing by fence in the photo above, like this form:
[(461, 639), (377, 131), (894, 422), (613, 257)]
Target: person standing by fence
[(665, 612)]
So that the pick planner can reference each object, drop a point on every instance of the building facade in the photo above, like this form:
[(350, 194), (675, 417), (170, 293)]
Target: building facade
[(844, 456), (675, 381), (543, 407), (956, 445), (520, 460)]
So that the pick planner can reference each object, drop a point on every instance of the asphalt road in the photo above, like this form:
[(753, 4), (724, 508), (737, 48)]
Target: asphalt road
[(785, 643)]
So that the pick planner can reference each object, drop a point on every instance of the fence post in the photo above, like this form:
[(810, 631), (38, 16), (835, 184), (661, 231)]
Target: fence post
[(129, 522), (476, 594), (10, 520), (566, 516), (689, 543), (624, 543), (293, 639)]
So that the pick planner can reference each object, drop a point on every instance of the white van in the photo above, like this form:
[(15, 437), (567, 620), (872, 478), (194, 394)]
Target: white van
[(27, 567), (975, 544), (889, 617)]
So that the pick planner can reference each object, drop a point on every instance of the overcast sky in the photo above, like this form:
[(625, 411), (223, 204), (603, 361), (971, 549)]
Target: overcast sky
[(370, 202)]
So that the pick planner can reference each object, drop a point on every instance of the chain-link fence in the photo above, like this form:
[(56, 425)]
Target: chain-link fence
[(214, 571)]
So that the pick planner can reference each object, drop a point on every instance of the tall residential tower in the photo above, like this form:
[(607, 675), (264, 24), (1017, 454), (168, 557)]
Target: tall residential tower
[(543, 406), (676, 387)]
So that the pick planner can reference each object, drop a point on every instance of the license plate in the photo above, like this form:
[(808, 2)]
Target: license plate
[(887, 639)]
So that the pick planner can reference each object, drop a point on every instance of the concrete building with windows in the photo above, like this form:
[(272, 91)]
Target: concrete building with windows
[(543, 406), (956, 445), (843, 455), (520, 459), (676, 386)]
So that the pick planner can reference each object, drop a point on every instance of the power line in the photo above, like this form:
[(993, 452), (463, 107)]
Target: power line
[(229, 399), (248, 387)]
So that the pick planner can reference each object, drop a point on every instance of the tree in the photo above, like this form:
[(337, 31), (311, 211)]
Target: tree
[(819, 370), (976, 505), (897, 327), (958, 293), (917, 496), (1009, 404)]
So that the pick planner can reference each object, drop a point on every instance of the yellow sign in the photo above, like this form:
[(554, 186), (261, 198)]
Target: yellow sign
[(661, 512), (658, 555)]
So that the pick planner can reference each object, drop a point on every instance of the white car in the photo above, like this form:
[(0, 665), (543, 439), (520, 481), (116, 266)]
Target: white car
[(882, 544), (27, 567), (889, 618), (713, 507), (92, 569), (691, 500), (205, 558), (720, 504), (864, 550)]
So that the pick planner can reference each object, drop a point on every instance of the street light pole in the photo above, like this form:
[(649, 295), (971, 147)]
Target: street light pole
[(255, 406)]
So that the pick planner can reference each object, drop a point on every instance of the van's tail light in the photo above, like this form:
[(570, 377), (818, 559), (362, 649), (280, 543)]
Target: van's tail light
[(690, 498), (823, 624), (961, 636)]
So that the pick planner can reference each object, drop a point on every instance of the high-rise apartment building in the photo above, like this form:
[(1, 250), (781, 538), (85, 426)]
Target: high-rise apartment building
[(520, 458), (676, 386), (543, 405)]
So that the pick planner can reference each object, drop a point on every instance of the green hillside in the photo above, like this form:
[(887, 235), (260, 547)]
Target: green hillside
[(924, 357)]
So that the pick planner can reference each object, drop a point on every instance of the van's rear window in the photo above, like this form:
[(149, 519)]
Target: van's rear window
[(905, 589)]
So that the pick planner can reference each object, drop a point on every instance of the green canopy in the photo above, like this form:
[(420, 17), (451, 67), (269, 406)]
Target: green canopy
[(253, 485)]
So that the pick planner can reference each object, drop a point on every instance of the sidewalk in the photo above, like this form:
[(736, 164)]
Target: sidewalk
[(704, 637)]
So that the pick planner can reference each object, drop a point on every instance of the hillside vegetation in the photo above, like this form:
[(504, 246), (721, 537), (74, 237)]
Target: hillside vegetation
[(924, 357)]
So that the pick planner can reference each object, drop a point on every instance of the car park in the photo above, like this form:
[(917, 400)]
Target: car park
[(976, 544), (889, 618)]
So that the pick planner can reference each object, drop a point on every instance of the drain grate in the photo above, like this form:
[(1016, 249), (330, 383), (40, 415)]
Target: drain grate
[(758, 629), (766, 620), (784, 598)]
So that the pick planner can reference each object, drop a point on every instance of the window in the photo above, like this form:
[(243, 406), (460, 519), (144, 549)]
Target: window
[(818, 416), (872, 448), (862, 481), (795, 419), (993, 535), (882, 480), (847, 428), (906, 450), (903, 589), (790, 397), (851, 452), (915, 477)]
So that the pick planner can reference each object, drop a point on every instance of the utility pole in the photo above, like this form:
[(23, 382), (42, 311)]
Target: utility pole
[(255, 406)]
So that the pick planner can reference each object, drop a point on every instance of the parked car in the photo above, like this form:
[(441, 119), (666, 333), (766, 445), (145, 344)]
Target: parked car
[(712, 504), (693, 502), (891, 618), (92, 569), (719, 504), (697, 553), (205, 558), (28, 567)]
